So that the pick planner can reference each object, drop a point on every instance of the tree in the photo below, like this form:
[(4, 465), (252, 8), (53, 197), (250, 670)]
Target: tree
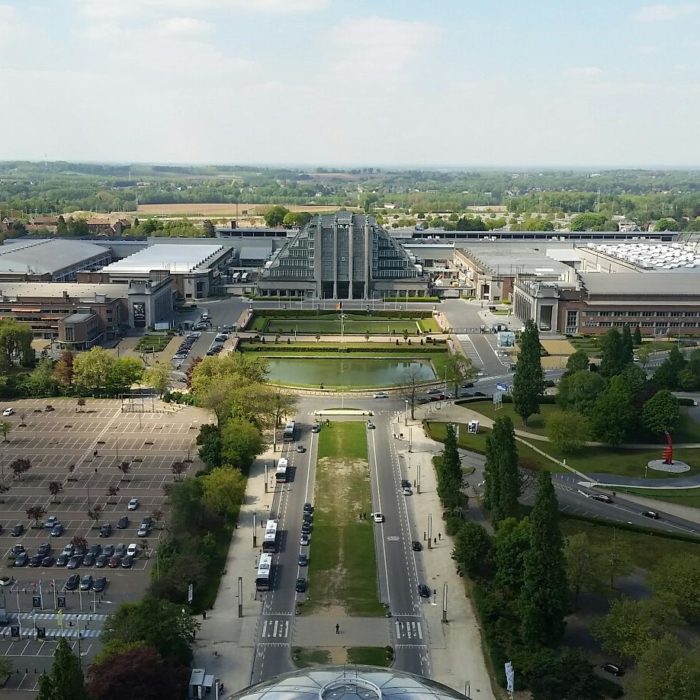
[(472, 548), (64, 681), (5, 428), (15, 345), (5, 670), (159, 623), (661, 412), (544, 598), (209, 441), (569, 675), (617, 558), (41, 381), (157, 376), (668, 372), (186, 499), (584, 565), (578, 362), (458, 368), (241, 443), (178, 468), (627, 345), (613, 353), (528, 380), (676, 582), (568, 431), (112, 491), (614, 413), (94, 513), (19, 466), (637, 336), (223, 490), (666, 669), (137, 672), (502, 481), (510, 546), (36, 513), (124, 468), (91, 370), (643, 353), (275, 216), (123, 373), (282, 405)]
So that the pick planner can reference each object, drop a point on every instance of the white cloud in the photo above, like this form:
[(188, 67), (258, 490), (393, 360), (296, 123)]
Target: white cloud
[(183, 26), (378, 49), (584, 72), (664, 13)]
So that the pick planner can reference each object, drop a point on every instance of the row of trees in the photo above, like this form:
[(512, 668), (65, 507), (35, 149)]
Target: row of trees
[(15, 345)]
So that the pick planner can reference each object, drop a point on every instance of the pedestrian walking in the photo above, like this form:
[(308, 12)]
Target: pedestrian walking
[(337, 628), (439, 536)]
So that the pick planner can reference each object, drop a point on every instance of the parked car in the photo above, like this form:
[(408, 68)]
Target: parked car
[(301, 448), (99, 584), (406, 491), (44, 549), (127, 562), (57, 530), (416, 546), (8, 411), (424, 590), (17, 530), (72, 582), (133, 550), (315, 428), (69, 550), (405, 484), (17, 549), (615, 669), (101, 561), (62, 560), (303, 560), (105, 530), (308, 508), (95, 550), (22, 559), (304, 540), (35, 560), (108, 550), (306, 527), (74, 562), (143, 531), (378, 517), (300, 586), (48, 561), (86, 582), (133, 504), (307, 517), (120, 549), (80, 550), (51, 521), (89, 559), (114, 561), (123, 523), (370, 425)]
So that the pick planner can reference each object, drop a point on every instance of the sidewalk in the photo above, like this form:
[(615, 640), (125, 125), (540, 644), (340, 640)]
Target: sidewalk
[(225, 644), (455, 646)]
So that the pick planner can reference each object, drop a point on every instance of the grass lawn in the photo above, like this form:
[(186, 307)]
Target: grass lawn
[(153, 342), (683, 497), (604, 460), (591, 344), (645, 549), (329, 324), (304, 657), (342, 560), (688, 430), (368, 656)]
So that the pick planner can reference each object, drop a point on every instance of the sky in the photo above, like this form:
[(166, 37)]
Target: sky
[(465, 83)]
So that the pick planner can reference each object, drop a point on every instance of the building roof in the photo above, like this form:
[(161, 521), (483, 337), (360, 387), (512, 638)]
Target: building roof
[(47, 256), (504, 259), (676, 283), (55, 290), (166, 256), (77, 318), (249, 252)]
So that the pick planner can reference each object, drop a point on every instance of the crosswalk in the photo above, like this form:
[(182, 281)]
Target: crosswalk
[(275, 629), (409, 631), (469, 349), (67, 617), (67, 632)]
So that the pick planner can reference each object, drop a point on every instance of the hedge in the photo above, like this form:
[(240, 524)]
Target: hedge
[(316, 313)]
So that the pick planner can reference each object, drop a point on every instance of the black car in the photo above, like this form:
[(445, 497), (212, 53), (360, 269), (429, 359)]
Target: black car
[(72, 582), (615, 669), (123, 523), (89, 559), (62, 560), (424, 591), (101, 561), (80, 550), (300, 586), (108, 550), (86, 583), (75, 561), (306, 528), (35, 560), (127, 562), (105, 530), (21, 559), (17, 530), (44, 549), (303, 560), (99, 584), (405, 484), (95, 550), (416, 546), (308, 508), (308, 517), (17, 549), (48, 561)]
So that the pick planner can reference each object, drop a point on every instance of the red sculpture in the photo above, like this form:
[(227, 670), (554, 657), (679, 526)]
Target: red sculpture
[(667, 454)]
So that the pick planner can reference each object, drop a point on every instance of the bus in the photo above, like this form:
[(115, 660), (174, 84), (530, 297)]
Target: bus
[(263, 577), (270, 539), (282, 470), (289, 431)]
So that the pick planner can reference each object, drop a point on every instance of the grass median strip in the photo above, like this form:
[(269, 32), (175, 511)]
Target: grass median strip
[(342, 561)]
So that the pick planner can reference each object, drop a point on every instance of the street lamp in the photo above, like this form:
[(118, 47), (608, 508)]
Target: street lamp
[(405, 413)]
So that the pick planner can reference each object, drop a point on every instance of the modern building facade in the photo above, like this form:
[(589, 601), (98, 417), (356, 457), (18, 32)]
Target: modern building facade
[(342, 256)]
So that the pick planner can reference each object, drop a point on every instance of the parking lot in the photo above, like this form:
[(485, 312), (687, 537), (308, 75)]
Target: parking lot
[(81, 448)]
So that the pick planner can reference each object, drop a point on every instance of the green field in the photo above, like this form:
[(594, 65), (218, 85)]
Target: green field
[(353, 324), (688, 430), (153, 342), (683, 497), (368, 656), (605, 460), (342, 560), (303, 657), (591, 344)]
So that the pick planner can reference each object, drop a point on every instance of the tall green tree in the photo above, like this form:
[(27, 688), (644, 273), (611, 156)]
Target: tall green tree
[(661, 412), (568, 431), (614, 413), (584, 565), (580, 390), (275, 215), (511, 544), (578, 362), (472, 550), (209, 442), (528, 380), (668, 372), (223, 490), (637, 336), (613, 354), (502, 481), (41, 381), (676, 581), (544, 598), (667, 669), (241, 443), (64, 681), (458, 368), (15, 344), (627, 342), (158, 377)]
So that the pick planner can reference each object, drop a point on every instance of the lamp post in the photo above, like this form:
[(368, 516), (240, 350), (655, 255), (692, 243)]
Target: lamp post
[(430, 531), (405, 412)]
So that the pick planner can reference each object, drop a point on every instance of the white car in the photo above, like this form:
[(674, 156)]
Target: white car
[(381, 395), (133, 504), (378, 517), (132, 550), (406, 491), (8, 411)]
